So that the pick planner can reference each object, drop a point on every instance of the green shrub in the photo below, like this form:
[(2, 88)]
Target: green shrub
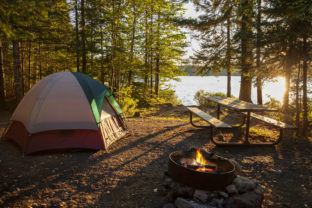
[(199, 97), (127, 102)]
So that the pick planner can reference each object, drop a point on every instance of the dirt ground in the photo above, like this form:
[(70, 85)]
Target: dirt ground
[(131, 174)]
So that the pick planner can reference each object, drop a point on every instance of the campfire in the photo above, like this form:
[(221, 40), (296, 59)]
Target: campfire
[(199, 163), (200, 169)]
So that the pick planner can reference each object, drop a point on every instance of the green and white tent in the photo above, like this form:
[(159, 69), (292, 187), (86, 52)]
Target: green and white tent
[(66, 110)]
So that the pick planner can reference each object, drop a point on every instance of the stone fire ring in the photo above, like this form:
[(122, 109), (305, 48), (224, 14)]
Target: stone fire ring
[(202, 180)]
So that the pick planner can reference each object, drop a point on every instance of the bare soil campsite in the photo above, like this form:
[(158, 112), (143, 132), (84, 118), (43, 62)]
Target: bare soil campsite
[(131, 174)]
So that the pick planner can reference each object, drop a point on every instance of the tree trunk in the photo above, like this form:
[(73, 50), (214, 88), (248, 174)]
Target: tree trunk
[(29, 62), (228, 57), (18, 86), (102, 58), (132, 43), (77, 35), (246, 56), (304, 87), (258, 54), (40, 64), (112, 84), (83, 37), (297, 101), (146, 52), (2, 98), (151, 51), (157, 67), (287, 86)]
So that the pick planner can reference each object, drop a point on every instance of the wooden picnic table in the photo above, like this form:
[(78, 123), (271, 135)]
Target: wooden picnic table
[(240, 106)]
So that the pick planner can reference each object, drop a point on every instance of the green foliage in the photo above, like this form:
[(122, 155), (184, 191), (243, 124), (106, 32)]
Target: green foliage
[(126, 101), (273, 103), (200, 98)]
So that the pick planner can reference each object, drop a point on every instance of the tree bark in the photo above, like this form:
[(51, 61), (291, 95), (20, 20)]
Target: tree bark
[(29, 68), (298, 101), (146, 52), (304, 87), (2, 98), (18, 86), (287, 86), (246, 57), (83, 37), (157, 67), (40, 64), (258, 54), (228, 57), (77, 35), (134, 21), (151, 51)]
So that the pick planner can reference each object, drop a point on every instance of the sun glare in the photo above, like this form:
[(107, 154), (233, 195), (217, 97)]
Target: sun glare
[(277, 88)]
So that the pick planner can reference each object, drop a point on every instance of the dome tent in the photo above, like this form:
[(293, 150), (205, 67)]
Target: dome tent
[(66, 110)]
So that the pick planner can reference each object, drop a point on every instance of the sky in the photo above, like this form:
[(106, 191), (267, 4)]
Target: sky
[(193, 43)]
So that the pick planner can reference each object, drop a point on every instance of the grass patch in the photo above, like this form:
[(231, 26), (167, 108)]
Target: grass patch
[(261, 132)]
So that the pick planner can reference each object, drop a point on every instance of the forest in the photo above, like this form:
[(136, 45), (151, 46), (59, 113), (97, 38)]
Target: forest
[(132, 46)]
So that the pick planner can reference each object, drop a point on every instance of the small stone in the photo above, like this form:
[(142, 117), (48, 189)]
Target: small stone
[(186, 192), (201, 195), (248, 200), (243, 184), (108, 192), (278, 172), (259, 190), (155, 190), (231, 189), (168, 205), (18, 189), (183, 203), (217, 203), (223, 194)]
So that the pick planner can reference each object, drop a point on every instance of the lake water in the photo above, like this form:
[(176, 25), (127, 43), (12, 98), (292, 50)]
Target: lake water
[(186, 88)]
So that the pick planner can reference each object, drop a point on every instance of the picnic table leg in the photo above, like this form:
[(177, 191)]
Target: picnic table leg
[(218, 112), (247, 128)]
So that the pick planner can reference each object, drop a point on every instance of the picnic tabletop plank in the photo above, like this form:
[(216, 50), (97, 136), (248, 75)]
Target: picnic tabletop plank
[(238, 105)]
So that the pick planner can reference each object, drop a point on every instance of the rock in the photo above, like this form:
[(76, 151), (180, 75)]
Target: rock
[(183, 203), (246, 200), (259, 190), (223, 194), (168, 182), (217, 203), (201, 195), (186, 192), (278, 172), (168, 205), (244, 184), (231, 189)]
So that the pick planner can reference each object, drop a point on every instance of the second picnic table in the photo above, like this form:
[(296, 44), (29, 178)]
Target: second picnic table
[(240, 106)]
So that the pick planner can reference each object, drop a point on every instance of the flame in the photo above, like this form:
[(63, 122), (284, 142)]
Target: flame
[(201, 161), (200, 158)]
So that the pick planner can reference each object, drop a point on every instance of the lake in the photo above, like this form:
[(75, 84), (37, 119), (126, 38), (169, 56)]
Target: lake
[(186, 88)]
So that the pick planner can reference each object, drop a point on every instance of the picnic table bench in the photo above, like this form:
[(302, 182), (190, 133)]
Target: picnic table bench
[(214, 122), (247, 109), (279, 124)]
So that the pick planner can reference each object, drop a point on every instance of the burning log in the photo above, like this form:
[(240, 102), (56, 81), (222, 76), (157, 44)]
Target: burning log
[(198, 163)]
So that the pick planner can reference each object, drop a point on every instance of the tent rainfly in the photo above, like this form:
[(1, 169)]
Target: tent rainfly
[(66, 110)]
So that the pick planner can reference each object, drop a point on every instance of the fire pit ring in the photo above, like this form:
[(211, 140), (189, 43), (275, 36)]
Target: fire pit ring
[(217, 180)]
